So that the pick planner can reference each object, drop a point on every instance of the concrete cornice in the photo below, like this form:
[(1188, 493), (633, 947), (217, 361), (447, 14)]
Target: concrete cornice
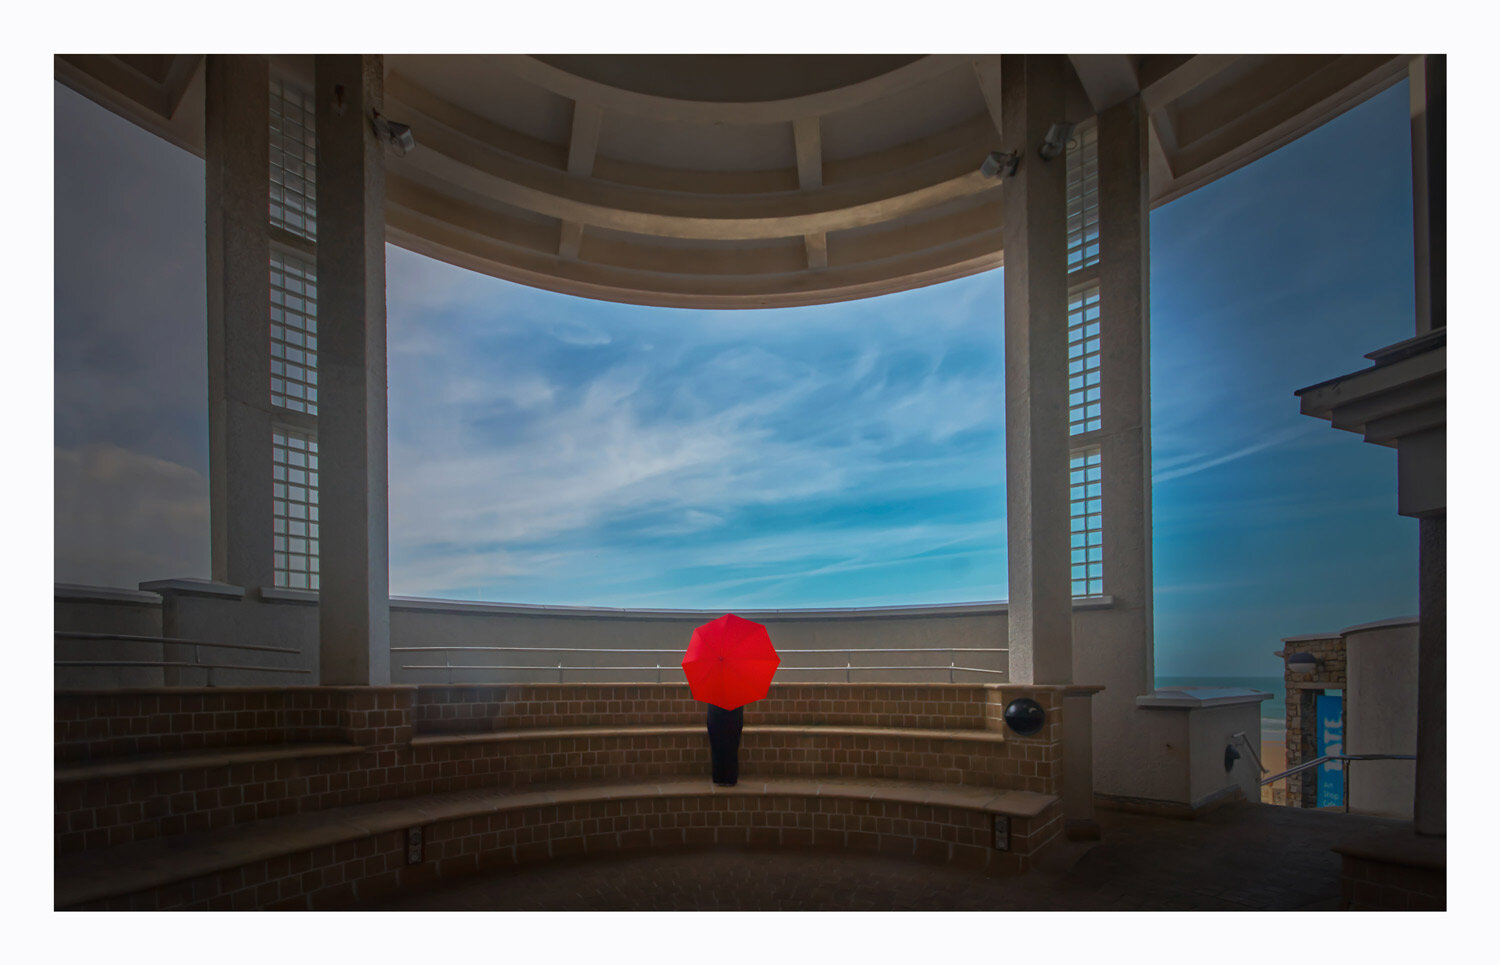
[(1404, 393)]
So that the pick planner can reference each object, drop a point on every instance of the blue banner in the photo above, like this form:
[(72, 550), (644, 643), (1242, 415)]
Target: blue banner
[(1330, 741)]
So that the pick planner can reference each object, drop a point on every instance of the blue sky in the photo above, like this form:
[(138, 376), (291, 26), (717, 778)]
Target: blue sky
[(546, 449)]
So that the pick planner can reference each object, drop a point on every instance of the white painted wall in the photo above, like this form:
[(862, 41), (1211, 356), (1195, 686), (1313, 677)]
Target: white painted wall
[(1380, 716)]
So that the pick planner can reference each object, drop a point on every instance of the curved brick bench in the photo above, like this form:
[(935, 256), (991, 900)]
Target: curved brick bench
[(348, 856), (112, 801), (320, 783)]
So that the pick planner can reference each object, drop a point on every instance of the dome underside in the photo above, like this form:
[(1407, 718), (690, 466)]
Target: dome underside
[(745, 181), (597, 176)]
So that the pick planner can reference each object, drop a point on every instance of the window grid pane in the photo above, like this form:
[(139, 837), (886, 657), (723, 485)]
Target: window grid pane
[(294, 332), (294, 203), (1086, 526), (1083, 198), (1083, 360), (294, 512)]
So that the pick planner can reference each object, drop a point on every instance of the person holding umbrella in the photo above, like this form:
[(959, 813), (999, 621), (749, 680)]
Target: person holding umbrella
[(729, 663)]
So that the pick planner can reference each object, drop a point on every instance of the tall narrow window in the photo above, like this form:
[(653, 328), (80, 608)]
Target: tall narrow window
[(1085, 482), (294, 204), (1083, 360), (294, 332), (294, 514), (1083, 197)]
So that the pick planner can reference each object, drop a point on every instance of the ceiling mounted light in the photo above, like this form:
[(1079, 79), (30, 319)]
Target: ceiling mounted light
[(1056, 140), (999, 162), (398, 136)]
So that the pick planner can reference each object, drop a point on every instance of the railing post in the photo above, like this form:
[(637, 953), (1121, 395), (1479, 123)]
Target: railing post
[(208, 674), (848, 669), (559, 670), (448, 665), (952, 659), (658, 673)]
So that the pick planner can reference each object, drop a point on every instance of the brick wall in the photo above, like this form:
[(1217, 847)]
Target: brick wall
[(449, 709), (93, 726), (1381, 886)]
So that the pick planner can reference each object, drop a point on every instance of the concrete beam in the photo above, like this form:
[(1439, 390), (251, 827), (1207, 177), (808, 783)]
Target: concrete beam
[(1107, 79)]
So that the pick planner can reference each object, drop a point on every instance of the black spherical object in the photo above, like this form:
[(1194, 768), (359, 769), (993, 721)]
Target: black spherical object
[(1025, 716)]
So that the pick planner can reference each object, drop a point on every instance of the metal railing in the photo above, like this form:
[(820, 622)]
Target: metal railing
[(1318, 762), (1307, 765), (675, 664), (195, 664)]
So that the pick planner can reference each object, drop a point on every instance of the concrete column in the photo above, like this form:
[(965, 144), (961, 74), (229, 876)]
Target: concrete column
[(1125, 374), (1428, 81), (1119, 653), (1430, 807), (1428, 77), (354, 582), (1036, 375), (237, 170)]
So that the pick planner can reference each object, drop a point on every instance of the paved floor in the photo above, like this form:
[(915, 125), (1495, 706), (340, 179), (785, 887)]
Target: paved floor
[(1242, 857)]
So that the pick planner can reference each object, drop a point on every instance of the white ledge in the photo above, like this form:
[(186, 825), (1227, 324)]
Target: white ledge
[(1382, 624), (1305, 637), (104, 594), (1357, 628), (282, 594), (1195, 698), (195, 588)]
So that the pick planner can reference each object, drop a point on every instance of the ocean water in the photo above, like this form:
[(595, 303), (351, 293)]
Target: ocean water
[(1272, 712)]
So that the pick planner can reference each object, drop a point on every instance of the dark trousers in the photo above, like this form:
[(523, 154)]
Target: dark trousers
[(724, 728)]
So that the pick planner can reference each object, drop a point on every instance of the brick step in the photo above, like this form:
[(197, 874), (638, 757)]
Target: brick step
[(114, 800), (340, 856), (807, 730), (137, 764), (117, 800)]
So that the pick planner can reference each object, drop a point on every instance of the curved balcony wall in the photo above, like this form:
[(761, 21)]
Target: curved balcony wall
[(446, 641)]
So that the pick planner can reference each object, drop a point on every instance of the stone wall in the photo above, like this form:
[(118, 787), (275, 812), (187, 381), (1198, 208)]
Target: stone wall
[(1302, 690)]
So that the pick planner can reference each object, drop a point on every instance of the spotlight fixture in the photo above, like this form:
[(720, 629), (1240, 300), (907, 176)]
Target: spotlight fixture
[(1025, 716), (398, 136), (999, 162), (1056, 140), (1230, 756)]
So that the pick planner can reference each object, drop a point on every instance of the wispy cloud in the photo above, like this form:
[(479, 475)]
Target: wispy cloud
[(602, 430), (1200, 463)]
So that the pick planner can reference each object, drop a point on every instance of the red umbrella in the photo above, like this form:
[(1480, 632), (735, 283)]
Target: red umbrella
[(730, 662)]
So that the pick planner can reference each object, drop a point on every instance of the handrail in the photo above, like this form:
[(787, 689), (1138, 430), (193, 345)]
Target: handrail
[(195, 664), (1306, 765), (174, 663), (678, 651), (562, 669), (176, 641)]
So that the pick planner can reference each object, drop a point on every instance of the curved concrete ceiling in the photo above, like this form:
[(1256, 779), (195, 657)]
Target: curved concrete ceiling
[(740, 181)]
